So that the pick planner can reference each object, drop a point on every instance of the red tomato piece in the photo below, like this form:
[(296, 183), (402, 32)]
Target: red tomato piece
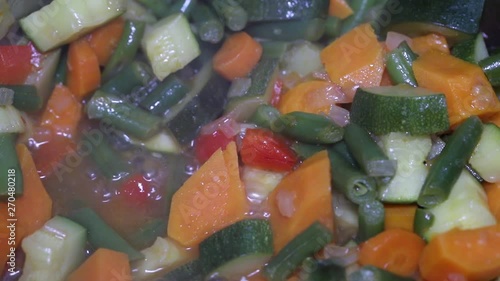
[(206, 144), (15, 63), (265, 150), (137, 190)]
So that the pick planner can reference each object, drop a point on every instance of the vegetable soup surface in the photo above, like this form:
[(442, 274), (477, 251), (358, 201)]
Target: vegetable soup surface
[(249, 140)]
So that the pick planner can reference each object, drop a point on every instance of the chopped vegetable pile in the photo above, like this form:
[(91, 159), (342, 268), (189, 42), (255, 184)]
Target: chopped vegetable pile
[(249, 140)]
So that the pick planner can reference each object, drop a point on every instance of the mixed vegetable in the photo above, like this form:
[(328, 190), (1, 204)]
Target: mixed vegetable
[(249, 140)]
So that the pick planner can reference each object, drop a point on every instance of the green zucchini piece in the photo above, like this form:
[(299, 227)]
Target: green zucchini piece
[(455, 19), (491, 67), (201, 105), (191, 271), (262, 78), (465, 208), (401, 108), (54, 251), (410, 153), (472, 50), (62, 21), (238, 249), (170, 45), (308, 242), (277, 10), (486, 155)]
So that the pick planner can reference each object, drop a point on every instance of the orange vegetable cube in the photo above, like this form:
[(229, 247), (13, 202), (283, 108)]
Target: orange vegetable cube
[(211, 199), (355, 60), (301, 198), (468, 91)]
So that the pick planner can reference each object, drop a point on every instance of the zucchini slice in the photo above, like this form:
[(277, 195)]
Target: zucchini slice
[(401, 108), (62, 21), (238, 249), (54, 251), (485, 158), (455, 19)]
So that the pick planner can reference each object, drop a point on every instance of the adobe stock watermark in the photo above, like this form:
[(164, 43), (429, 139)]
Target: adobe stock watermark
[(11, 219)]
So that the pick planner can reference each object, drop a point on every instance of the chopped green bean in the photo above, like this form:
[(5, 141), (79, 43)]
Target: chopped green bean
[(234, 16), (127, 47), (399, 65), (371, 216), (134, 75), (11, 176), (209, 27), (168, 93), (26, 97), (367, 153), (448, 166), (355, 185)]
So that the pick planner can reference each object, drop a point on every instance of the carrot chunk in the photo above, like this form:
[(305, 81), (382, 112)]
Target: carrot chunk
[(84, 74)]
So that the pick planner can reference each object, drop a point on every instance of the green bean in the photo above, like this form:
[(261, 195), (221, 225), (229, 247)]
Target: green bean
[(305, 150), (127, 47), (371, 216), (309, 29), (158, 7), (182, 6), (355, 185), (168, 93), (362, 10), (62, 68), (447, 167), (26, 97), (123, 115), (147, 233), (265, 116), (399, 65), (342, 149), (134, 75), (367, 153), (234, 16), (110, 163), (372, 273), (308, 242), (332, 27), (101, 235), (424, 219), (208, 25), (308, 128), (272, 49), (11, 175)]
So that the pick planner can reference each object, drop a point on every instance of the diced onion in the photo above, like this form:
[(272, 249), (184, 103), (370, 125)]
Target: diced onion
[(228, 126), (341, 256), (393, 40), (285, 203), (339, 115), (239, 87)]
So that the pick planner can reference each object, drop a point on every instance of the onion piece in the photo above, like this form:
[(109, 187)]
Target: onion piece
[(239, 87), (6, 96), (227, 125), (394, 39), (285, 201), (339, 115), (341, 256), (437, 147), (346, 218)]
